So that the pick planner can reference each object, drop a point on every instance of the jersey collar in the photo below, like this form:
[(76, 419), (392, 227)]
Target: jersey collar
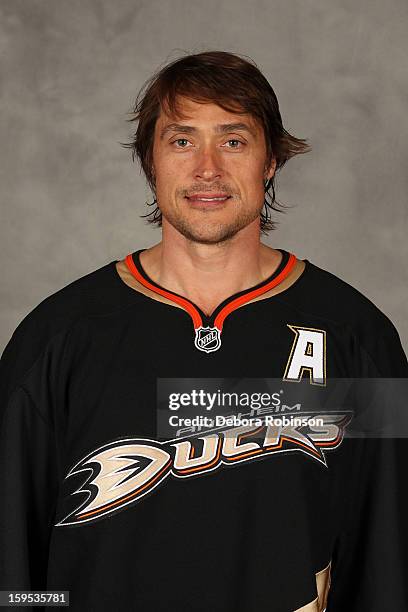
[(208, 328)]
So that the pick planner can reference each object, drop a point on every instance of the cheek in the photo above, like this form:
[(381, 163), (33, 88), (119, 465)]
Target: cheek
[(167, 174), (250, 176), (165, 177), (248, 166)]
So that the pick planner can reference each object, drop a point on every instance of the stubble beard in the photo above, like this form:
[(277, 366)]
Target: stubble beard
[(206, 232)]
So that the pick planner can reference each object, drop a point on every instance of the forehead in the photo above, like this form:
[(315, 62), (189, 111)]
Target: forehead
[(196, 113)]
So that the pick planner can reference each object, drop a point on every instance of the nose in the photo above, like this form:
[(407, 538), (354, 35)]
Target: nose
[(208, 165)]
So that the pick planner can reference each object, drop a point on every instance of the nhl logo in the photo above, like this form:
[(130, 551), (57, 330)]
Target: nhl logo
[(207, 339)]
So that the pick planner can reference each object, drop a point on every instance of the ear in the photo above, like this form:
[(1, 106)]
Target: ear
[(269, 172)]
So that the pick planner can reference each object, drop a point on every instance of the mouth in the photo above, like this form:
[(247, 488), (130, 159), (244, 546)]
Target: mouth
[(209, 200)]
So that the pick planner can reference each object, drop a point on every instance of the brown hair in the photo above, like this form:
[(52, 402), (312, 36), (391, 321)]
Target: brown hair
[(236, 85)]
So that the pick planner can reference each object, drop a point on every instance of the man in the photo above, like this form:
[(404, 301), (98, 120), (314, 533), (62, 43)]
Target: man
[(95, 500)]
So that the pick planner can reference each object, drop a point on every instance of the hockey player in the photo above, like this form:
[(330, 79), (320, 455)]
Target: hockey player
[(94, 500)]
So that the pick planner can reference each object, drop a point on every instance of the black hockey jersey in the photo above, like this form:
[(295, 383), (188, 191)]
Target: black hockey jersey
[(93, 501)]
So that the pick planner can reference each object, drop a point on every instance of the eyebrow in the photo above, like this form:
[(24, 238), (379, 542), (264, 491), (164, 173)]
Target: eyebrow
[(223, 128)]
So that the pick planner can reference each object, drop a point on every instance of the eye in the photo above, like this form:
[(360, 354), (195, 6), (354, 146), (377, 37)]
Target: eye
[(178, 140), (238, 142)]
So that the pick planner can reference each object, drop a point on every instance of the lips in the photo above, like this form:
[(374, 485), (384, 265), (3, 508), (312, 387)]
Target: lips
[(208, 197)]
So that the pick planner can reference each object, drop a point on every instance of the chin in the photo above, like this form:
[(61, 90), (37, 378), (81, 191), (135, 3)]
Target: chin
[(208, 235), (204, 232)]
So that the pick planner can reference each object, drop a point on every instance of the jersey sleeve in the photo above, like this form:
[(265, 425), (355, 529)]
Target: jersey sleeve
[(369, 569), (28, 485)]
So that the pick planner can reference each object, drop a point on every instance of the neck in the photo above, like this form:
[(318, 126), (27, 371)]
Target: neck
[(208, 274)]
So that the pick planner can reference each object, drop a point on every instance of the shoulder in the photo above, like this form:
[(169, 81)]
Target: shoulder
[(64, 305), (341, 301), (94, 293), (325, 295)]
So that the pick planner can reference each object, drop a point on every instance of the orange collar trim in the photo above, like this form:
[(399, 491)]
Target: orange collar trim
[(208, 338)]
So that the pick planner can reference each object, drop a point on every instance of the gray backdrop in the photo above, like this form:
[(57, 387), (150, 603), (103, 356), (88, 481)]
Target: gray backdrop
[(71, 197)]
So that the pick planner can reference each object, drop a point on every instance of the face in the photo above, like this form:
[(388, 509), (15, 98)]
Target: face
[(209, 170)]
